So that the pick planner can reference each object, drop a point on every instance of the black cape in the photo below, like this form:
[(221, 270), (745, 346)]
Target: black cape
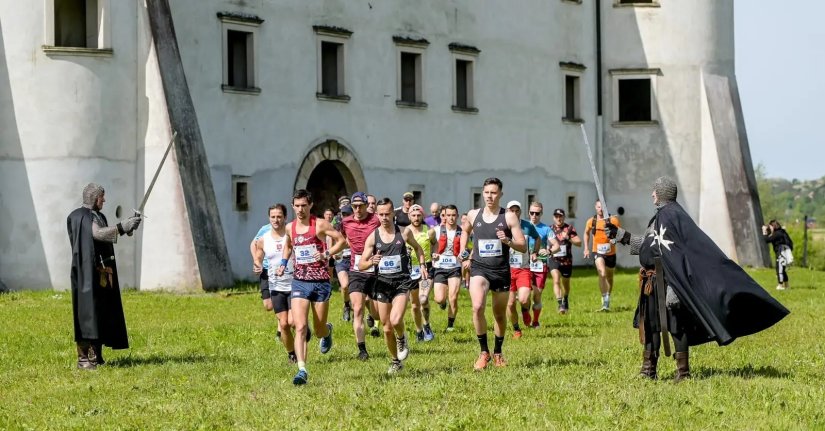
[(723, 300), (97, 311)]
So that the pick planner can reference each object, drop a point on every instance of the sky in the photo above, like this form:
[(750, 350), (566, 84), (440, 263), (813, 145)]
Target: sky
[(780, 69)]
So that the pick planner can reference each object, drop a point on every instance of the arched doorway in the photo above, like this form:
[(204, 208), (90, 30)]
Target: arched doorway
[(329, 171)]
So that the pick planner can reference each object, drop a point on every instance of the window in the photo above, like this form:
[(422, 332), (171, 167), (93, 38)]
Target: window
[(77, 27), (410, 71), (332, 63), (636, 3), (418, 193), (240, 191), (530, 196), (571, 205), (464, 72), (239, 52), (634, 96), (572, 73), (477, 200)]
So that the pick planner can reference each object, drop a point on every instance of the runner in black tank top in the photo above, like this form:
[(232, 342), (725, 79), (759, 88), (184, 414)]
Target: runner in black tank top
[(490, 270), (386, 252)]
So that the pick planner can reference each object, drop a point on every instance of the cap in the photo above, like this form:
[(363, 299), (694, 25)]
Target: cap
[(416, 207), (409, 195), (342, 199), (360, 197), (514, 204), (558, 212), (346, 210)]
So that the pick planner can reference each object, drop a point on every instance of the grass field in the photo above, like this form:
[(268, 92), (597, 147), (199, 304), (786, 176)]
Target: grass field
[(210, 361)]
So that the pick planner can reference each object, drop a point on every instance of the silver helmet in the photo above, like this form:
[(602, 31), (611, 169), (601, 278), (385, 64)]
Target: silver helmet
[(91, 193), (665, 189)]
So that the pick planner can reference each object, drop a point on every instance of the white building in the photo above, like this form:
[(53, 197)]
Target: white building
[(345, 95)]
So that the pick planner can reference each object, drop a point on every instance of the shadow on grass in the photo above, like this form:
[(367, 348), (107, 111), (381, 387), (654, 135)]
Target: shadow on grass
[(744, 372), (156, 359)]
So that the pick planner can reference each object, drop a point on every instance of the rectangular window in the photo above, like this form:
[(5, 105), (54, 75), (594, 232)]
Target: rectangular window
[(572, 109), (635, 100), (410, 77), (571, 206), (76, 23), (240, 58), (332, 60), (241, 192), (530, 196), (478, 201), (463, 84)]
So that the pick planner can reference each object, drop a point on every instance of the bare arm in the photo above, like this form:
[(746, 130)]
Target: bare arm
[(325, 230), (587, 239), (466, 229), (554, 244), (366, 256), (409, 238), (517, 242)]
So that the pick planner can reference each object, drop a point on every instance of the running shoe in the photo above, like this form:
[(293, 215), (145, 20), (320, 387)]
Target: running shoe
[(517, 334), (562, 309), (346, 315), (419, 336), (395, 367), (535, 324), (780, 287), (375, 332), (291, 358), (450, 329), (403, 350), (428, 333), (363, 356), (326, 342), (300, 378), (482, 361), (498, 360)]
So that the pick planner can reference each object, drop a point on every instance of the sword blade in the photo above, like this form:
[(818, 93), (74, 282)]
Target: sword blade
[(157, 172), (595, 173)]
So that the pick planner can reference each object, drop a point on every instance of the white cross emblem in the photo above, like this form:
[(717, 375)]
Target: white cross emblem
[(660, 238)]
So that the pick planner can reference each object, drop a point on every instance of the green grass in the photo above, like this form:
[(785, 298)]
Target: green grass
[(210, 361)]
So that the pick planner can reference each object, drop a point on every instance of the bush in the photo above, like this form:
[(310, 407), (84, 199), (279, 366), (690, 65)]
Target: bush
[(816, 247)]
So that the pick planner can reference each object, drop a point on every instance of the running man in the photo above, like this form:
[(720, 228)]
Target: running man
[(385, 251), (538, 267), (310, 283), (521, 280), (424, 236), (275, 247), (447, 275), (341, 263), (561, 265), (465, 271), (402, 217), (495, 232), (603, 251), (356, 228)]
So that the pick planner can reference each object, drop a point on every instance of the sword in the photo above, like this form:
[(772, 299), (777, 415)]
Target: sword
[(139, 211), (661, 293), (595, 174)]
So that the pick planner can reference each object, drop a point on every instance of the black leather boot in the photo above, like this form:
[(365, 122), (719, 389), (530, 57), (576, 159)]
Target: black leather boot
[(682, 366), (96, 354), (649, 362)]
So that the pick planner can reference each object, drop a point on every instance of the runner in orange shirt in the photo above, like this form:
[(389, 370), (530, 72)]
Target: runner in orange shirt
[(604, 252)]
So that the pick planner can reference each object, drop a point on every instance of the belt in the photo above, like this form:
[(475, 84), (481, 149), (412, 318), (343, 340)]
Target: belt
[(646, 280)]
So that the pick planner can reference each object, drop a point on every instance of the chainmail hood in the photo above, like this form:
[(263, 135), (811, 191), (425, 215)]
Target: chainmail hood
[(665, 189), (91, 192)]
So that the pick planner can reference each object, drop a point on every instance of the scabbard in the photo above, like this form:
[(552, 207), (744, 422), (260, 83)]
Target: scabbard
[(661, 295)]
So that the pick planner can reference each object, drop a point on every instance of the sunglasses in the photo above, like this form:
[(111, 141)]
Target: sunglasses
[(536, 213), (357, 205)]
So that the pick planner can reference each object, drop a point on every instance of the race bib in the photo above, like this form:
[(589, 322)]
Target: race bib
[(603, 248), (346, 253), (489, 247), (447, 262), (390, 265), (561, 253), (537, 266), (516, 260), (415, 272), (305, 254)]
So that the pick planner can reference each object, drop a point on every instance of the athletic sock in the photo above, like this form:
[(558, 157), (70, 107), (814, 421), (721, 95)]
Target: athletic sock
[(560, 301), (362, 347), (302, 365), (499, 341), (516, 327), (566, 303), (347, 305), (525, 309), (450, 322), (482, 341)]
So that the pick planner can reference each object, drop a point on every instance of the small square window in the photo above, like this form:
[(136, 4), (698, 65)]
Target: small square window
[(635, 100), (241, 194), (77, 23)]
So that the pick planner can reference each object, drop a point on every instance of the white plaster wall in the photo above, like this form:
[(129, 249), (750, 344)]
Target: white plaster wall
[(73, 124), (682, 39), (517, 134)]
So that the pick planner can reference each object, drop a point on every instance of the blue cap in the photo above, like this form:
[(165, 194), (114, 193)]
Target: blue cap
[(359, 197), (346, 210)]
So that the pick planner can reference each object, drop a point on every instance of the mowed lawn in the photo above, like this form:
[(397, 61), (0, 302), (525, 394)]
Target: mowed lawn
[(210, 361)]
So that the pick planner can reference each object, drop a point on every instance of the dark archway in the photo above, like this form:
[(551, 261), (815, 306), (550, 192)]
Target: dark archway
[(327, 184)]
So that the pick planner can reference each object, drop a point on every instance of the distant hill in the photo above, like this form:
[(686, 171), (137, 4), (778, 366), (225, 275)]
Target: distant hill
[(789, 201)]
